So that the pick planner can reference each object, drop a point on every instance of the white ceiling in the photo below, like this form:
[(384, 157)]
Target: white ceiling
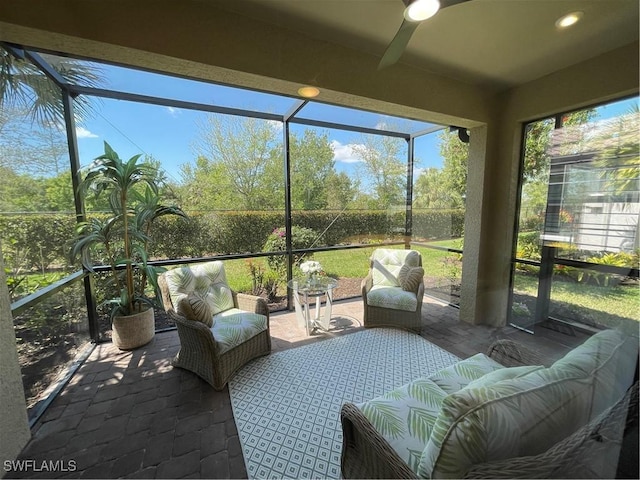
[(491, 43)]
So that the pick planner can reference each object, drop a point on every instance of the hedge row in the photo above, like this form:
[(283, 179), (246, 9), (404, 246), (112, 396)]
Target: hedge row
[(41, 241)]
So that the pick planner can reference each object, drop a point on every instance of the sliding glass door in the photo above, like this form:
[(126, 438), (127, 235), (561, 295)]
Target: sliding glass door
[(576, 256)]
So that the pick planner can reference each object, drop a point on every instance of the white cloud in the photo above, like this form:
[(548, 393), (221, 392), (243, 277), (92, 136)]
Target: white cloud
[(174, 111), (276, 125), (82, 132), (344, 153)]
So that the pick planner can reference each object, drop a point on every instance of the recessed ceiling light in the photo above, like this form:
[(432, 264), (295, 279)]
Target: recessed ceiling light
[(568, 19), (420, 10), (308, 92)]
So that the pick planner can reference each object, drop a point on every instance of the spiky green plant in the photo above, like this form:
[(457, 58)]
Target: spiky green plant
[(122, 240)]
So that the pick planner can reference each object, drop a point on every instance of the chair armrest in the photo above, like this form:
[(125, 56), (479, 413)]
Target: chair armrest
[(251, 303), (513, 354), (366, 284), (365, 453), (582, 454), (164, 292), (420, 292)]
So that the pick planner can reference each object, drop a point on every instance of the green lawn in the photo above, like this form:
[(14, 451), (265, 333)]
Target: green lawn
[(621, 300), (352, 263)]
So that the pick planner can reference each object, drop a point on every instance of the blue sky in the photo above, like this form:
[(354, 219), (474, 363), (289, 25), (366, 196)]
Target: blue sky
[(168, 134)]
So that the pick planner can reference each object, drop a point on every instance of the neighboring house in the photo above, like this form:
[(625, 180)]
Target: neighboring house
[(594, 192)]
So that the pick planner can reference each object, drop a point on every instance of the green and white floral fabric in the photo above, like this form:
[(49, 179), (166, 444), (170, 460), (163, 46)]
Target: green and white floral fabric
[(392, 297), (477, 411), (388, 262), (458, 375), (525, 415), (609, 358), (207, 280), (233, 327), (387, 291), (405, 417)]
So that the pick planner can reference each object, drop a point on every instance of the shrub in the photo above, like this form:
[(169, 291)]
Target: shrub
[(438, 224), (529, 246), (301, 238)]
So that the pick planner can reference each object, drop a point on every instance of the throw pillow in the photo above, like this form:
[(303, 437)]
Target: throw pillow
[(194, 307), (508, 373), (410, 277)]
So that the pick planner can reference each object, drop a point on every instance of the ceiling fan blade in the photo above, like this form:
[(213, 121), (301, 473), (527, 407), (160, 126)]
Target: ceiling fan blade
[(395, 49), (450, 3)]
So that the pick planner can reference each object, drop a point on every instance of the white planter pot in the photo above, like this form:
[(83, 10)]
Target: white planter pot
[(133, 331)]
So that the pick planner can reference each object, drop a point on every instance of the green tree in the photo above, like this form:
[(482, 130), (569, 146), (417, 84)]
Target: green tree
[(312, 165), (619, 152), (21, 192), (430, 190), (384, 169), (454, 171), (340, 191), (537, 143), (25, 86), (59, 192), (238, 151), (241, 166)]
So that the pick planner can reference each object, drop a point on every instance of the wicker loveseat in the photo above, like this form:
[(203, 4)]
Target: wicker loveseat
[(220, 330), (483, 419), (393, 289)]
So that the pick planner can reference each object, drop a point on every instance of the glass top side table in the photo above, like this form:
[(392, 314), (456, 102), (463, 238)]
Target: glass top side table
[(304, 289)]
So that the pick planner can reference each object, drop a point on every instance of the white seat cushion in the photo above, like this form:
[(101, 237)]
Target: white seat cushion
[(233, 327), (405, 417), (392, 297)]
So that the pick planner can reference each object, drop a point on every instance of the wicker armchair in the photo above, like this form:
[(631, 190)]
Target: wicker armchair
[(387, 302), (590, 452), (200, 351)]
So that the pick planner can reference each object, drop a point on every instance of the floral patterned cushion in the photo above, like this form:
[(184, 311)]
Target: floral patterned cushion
[(195, 307), (233, 327), (520, 416), (405, 417), (386, 265), (459, 375), (487, 381), (410, 277), (392, 297), (609, 357), (208, 280)]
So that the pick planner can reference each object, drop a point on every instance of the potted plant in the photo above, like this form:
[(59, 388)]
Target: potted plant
[(121, 241)]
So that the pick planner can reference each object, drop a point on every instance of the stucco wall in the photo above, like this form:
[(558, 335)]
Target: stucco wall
[(492, 180), (14, 425)]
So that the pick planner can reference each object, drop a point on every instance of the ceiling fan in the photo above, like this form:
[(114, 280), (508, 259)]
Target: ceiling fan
[(416, 11)]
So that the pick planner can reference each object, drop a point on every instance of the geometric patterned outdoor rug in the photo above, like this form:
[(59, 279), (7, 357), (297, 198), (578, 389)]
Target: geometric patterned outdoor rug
[(287, 405)]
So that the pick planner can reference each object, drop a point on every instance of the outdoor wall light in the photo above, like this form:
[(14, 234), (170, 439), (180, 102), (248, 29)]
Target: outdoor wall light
[(419, 10), (308, 92), (568, 19)]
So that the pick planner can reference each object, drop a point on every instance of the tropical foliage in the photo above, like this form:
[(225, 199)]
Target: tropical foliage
[(25, 86), (121, 240)]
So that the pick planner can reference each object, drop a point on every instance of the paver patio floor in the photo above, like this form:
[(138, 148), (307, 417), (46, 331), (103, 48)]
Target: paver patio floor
[(131, 414)]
